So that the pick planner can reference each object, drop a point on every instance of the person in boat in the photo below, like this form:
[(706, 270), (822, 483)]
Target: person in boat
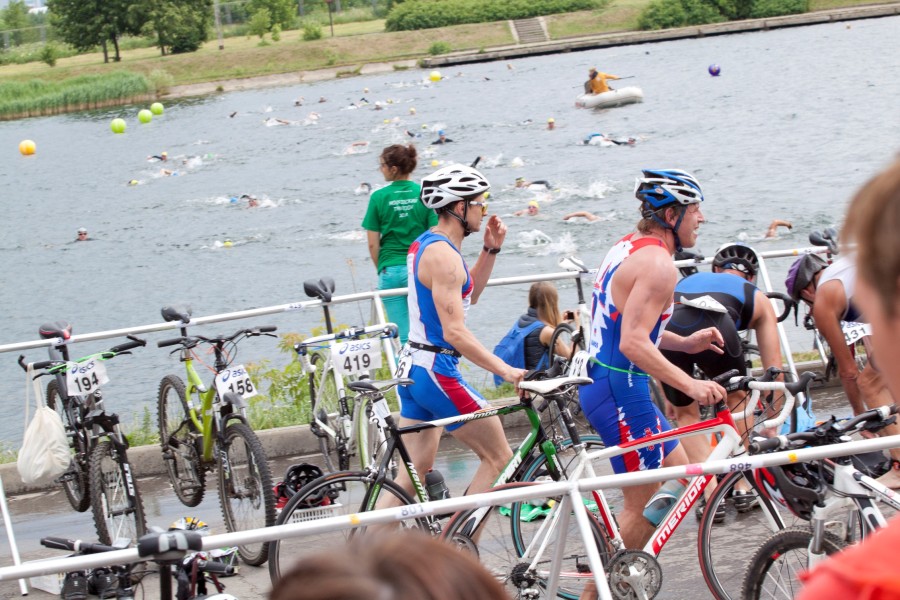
[(533, 209), (442, 138), (596, 83)]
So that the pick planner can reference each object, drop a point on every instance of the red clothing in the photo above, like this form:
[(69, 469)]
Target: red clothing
[(867, 571)]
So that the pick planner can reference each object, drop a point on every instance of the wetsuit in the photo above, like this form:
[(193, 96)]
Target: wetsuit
[(618, 403), (733, 292), (439, 390)]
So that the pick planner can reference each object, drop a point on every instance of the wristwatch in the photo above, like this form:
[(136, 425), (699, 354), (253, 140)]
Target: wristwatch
[(491, 250)]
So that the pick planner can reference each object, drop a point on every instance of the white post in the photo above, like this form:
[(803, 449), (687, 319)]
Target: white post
[(11, 536)]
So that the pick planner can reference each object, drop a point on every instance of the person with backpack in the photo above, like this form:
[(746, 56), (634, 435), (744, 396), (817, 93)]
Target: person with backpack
[(527, 344)]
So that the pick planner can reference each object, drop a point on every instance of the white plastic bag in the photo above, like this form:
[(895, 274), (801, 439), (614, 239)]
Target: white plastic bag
[(45, 449)]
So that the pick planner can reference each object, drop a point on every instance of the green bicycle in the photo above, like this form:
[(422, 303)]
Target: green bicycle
[(203, 428)]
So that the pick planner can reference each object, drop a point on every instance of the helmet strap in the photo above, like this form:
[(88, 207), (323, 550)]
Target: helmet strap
[(463, 219), (673, 228)]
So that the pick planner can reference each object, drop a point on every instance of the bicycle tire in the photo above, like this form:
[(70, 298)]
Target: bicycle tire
[(179, 440), (773, 571), (565, 331), (246, 495), (325, 405), (501, 541), (117, 515), (74, 481), (723, 547), (537, 469), (347, 492)]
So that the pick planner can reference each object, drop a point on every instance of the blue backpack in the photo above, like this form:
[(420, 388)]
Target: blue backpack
[(511, 349)]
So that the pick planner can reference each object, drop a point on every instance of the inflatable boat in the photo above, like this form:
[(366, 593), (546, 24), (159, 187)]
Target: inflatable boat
[(626, 95)]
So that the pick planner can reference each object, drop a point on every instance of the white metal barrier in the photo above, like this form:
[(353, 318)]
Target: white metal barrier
[(392, 515)]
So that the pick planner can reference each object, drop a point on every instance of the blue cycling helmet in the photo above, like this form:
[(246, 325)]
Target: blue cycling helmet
[(661, 187)]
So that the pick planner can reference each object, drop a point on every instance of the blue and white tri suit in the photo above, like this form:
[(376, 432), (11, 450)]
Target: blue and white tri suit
[(439, 390), (618, 403)]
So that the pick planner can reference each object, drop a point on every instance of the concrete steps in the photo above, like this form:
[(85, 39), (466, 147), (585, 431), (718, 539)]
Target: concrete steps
[(529, 31)]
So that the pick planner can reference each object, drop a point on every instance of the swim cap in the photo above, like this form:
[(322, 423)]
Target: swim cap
[(551, 120), (440, 132), (133, 182), (520, 179), (164, 154), (534, 203), (82, 230)]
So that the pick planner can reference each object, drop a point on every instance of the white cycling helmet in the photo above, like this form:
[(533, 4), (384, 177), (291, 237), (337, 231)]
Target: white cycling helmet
[(451, 184)]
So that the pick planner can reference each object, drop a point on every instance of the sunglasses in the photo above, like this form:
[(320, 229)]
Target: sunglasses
[(483, 205)]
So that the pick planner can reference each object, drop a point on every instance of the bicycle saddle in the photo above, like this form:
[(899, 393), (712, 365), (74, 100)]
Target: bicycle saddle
[(57, 329), (177, 312), (319, 288), (572, 263), (370, 385), (169, 545)]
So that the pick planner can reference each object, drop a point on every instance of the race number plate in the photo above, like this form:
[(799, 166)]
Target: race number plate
[(355, 356), (578, 366), (85, 377), (854, 332), (235, 379), (404, 364)]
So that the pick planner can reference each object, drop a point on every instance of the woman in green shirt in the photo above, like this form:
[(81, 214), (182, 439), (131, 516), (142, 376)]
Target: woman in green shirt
[(394, 219)]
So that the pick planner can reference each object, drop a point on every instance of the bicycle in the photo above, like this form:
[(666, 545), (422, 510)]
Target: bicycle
[(543, 452), (168, 549), (519, 552), (201, 428), (343, 427), (100, 475), (817, 492)]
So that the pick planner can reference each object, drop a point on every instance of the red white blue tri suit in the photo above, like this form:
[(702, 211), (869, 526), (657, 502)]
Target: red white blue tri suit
[(439, 390), (618, 403)]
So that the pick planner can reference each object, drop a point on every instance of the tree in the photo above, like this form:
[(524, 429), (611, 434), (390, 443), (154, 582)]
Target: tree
[(281, 12), (86, 24), (178, 25), (15, 18)]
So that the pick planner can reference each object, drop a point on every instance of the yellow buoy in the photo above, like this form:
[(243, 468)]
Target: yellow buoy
[(26, 147), (117, 125), (156, 108), (145, 116), (434, 163), (435, 76)]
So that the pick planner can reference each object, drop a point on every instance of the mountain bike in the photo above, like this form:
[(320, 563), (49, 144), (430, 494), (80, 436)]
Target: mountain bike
[(202, 428), (518, 551), (544, 452), (819, 492), (343, 426), (100, 475)]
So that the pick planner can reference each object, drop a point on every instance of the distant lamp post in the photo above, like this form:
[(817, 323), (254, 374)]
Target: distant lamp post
[(330, 18)]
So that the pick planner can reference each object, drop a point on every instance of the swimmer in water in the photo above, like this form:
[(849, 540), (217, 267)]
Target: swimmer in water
[(583, 214), (522, 183), (533, 209), (363, 188), (82, 235), (772, 231), (251, 200), (551, 124), (158, 157)]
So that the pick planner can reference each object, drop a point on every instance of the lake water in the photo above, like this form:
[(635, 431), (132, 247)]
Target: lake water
[(798, 119)]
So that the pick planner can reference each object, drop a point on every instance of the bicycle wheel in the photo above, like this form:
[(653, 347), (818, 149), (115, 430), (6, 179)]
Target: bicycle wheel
[(773, 571), (245, 488), (179, 440), (326, 409), (117, 514), (74, 481), (563, 333), (507, 539), (537, 470), (723, 547), (334, 494)]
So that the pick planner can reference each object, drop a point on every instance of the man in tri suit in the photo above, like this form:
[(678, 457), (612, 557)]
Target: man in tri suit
[(632, 302)]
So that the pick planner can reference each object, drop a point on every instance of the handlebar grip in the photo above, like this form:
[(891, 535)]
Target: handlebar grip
[(724, 377), (764, 445), (267, 328), (44, 364), (127, 346), (214, 567), (172, 342), (58, 543)]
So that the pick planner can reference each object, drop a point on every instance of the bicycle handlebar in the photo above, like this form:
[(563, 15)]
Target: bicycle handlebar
[(79, 546), (135, 342), (191, 341), (789, 304), (878, 416), (214, 567), (383, 330), (767, 383)]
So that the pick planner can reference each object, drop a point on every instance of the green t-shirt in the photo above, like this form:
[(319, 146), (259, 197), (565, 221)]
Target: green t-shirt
[(396, 213)]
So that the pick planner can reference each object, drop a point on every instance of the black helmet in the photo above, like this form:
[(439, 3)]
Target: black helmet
[(737, 256), (796, 486), (802, 272)]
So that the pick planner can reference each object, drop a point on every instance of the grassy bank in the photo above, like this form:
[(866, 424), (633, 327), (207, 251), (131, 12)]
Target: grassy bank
[(353, 45)]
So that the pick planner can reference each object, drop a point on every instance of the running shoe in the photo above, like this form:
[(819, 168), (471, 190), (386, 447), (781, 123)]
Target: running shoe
[(74, 587), (744, 501), (717, 518)]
